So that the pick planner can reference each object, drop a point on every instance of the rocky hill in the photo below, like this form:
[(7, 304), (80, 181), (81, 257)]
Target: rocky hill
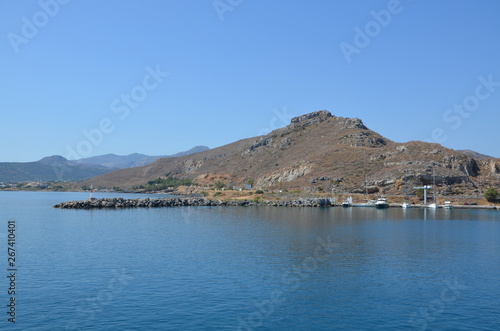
[(319, 152)]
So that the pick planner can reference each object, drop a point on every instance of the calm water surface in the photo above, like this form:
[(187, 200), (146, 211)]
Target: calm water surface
[(253, 268)]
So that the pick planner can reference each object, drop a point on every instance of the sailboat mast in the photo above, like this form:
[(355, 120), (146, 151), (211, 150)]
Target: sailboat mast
[(434, 185)]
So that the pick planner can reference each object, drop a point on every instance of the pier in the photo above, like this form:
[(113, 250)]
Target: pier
[(116, 203)]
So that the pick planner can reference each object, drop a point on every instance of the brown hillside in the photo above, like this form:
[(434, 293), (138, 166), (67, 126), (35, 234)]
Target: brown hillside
[(320, 152)]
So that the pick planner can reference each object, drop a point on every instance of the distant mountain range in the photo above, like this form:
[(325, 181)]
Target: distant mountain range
[(51, 168), (114, 161), (475, 155), (57, 168), (319, 152)]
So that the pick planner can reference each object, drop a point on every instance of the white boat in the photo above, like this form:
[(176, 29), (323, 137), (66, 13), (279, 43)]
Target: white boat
[(347, 202), (447, 205), (381, 203), (406, 204), (433, 206)]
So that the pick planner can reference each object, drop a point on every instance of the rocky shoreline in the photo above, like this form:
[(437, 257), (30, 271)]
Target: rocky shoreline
[(94, 203)]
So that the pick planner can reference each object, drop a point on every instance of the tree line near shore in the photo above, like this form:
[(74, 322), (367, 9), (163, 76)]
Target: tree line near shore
[(491, 194)]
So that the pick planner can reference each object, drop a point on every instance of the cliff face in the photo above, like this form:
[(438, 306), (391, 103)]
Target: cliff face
[(319, 152)]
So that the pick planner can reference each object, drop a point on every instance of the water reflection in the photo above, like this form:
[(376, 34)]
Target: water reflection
[(205, 267)]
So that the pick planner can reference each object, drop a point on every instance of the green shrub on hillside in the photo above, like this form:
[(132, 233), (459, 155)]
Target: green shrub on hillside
[(219, 184), (491, 194), (164, 183), (420, 193)]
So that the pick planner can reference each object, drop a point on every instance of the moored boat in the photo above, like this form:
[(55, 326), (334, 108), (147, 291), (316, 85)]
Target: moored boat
[(347, 202), (381, 203), (433, 206)]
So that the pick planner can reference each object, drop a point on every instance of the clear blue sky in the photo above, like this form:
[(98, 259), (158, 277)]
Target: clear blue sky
[(240, 68)]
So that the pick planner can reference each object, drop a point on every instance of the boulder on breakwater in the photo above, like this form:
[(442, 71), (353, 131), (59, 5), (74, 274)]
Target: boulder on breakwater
[(94, 203)]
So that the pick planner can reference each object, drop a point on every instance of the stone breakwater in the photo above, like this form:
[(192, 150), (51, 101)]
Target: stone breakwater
[(94, 203)]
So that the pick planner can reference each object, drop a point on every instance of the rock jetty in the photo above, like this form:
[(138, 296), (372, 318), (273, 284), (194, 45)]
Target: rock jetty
[(94, 203)]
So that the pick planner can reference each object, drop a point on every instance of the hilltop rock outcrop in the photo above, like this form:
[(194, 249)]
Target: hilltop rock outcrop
[(311, 118)]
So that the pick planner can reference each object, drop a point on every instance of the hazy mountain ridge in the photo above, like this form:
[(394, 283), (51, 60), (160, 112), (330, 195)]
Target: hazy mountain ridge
[(51, 168), (475, 155), (133, 160), (57, 168), (319, 152)]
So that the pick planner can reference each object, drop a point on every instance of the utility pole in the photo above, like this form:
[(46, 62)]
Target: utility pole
[(366, 185), (425, 187)]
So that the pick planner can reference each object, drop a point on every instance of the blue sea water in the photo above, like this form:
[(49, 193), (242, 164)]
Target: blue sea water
[(248, 268)]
